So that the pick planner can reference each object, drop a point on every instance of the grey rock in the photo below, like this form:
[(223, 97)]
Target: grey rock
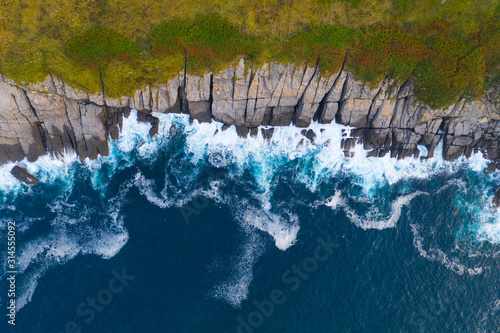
[(24, 176)]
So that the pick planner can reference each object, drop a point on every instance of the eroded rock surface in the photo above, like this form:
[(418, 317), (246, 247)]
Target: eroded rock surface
[(52, 117)]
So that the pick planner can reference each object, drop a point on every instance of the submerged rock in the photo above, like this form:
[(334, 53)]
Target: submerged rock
[(24, 176), (496, 199)]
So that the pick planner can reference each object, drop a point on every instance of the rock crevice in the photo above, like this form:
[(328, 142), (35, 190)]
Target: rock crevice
[(52, 117)]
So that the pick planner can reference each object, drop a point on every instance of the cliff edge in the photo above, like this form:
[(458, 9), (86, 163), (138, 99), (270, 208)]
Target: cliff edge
[(52, 117)]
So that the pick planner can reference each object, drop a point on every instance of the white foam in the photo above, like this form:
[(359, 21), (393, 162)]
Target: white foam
[(334, 202), (374, 218), (46, 168), (312, 164), (284, 231), (485, 222), (436, 254), (235, 289), (489, 228), (8, 183), (176, 196), (71, 234)]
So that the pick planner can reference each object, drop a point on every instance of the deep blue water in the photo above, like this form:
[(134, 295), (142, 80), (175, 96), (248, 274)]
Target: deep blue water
[(196, 232)]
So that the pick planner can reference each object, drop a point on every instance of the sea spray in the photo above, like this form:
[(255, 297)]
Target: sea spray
[(372, 192)]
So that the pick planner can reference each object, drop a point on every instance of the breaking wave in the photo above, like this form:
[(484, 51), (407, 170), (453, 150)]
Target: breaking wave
[(360, 187)]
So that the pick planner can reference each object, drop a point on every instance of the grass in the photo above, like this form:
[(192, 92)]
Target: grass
[(449, 49), (208, 42)]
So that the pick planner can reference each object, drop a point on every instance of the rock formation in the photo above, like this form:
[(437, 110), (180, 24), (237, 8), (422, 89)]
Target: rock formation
[(23, 175), (52, 117)]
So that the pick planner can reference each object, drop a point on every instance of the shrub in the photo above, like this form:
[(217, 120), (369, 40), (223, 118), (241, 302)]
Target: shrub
[(96, 48), (326, 44), (208, 42)]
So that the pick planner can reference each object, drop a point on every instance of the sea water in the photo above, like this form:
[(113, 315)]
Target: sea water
[(199, 230)]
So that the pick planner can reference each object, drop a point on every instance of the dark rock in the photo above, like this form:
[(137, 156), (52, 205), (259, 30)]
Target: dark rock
[(282, 116), (491, 168), (310, 135), (149, 118), (126, 112), (254, 131), (225, 127), (455, 146), (267, 133), (24, 176), (4, 158), (242, 131), (348, 144), (404, 143), (383, 152), (496, 199), (200, 111), (114, 117), (155, 122)]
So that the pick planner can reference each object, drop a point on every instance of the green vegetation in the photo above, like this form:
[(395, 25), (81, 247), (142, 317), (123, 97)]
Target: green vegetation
[(326, 45), (450, 49), (209, 42), (96, 48)]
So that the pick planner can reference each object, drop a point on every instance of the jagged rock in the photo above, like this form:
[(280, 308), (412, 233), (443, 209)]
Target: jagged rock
[(375, 139), (97, 98), (114, 121), (52, 117), (309, 134), (24, 176), (404, 143), (149, 118), (430, 141), (280, 116), (94, 132), (223, 86), (454, 146), (198, 96), (242, 131), (496, 199), (267, 133), (116, 102), (167, 98), (20, 135), (315, 92), (330, 107), (254, 132)]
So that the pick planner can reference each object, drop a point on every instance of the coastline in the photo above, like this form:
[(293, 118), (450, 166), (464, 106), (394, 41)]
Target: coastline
[(54, 118)]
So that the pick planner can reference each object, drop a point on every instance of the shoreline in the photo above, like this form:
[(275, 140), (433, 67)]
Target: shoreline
[(52, 117)]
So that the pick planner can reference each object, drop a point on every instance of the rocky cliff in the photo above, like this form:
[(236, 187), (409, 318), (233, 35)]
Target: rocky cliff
[(52, 117)]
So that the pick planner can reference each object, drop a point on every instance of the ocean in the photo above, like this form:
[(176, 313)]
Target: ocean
[(199, 230)]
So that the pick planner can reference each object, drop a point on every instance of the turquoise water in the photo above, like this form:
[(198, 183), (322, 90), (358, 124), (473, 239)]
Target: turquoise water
[(198, 230)]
